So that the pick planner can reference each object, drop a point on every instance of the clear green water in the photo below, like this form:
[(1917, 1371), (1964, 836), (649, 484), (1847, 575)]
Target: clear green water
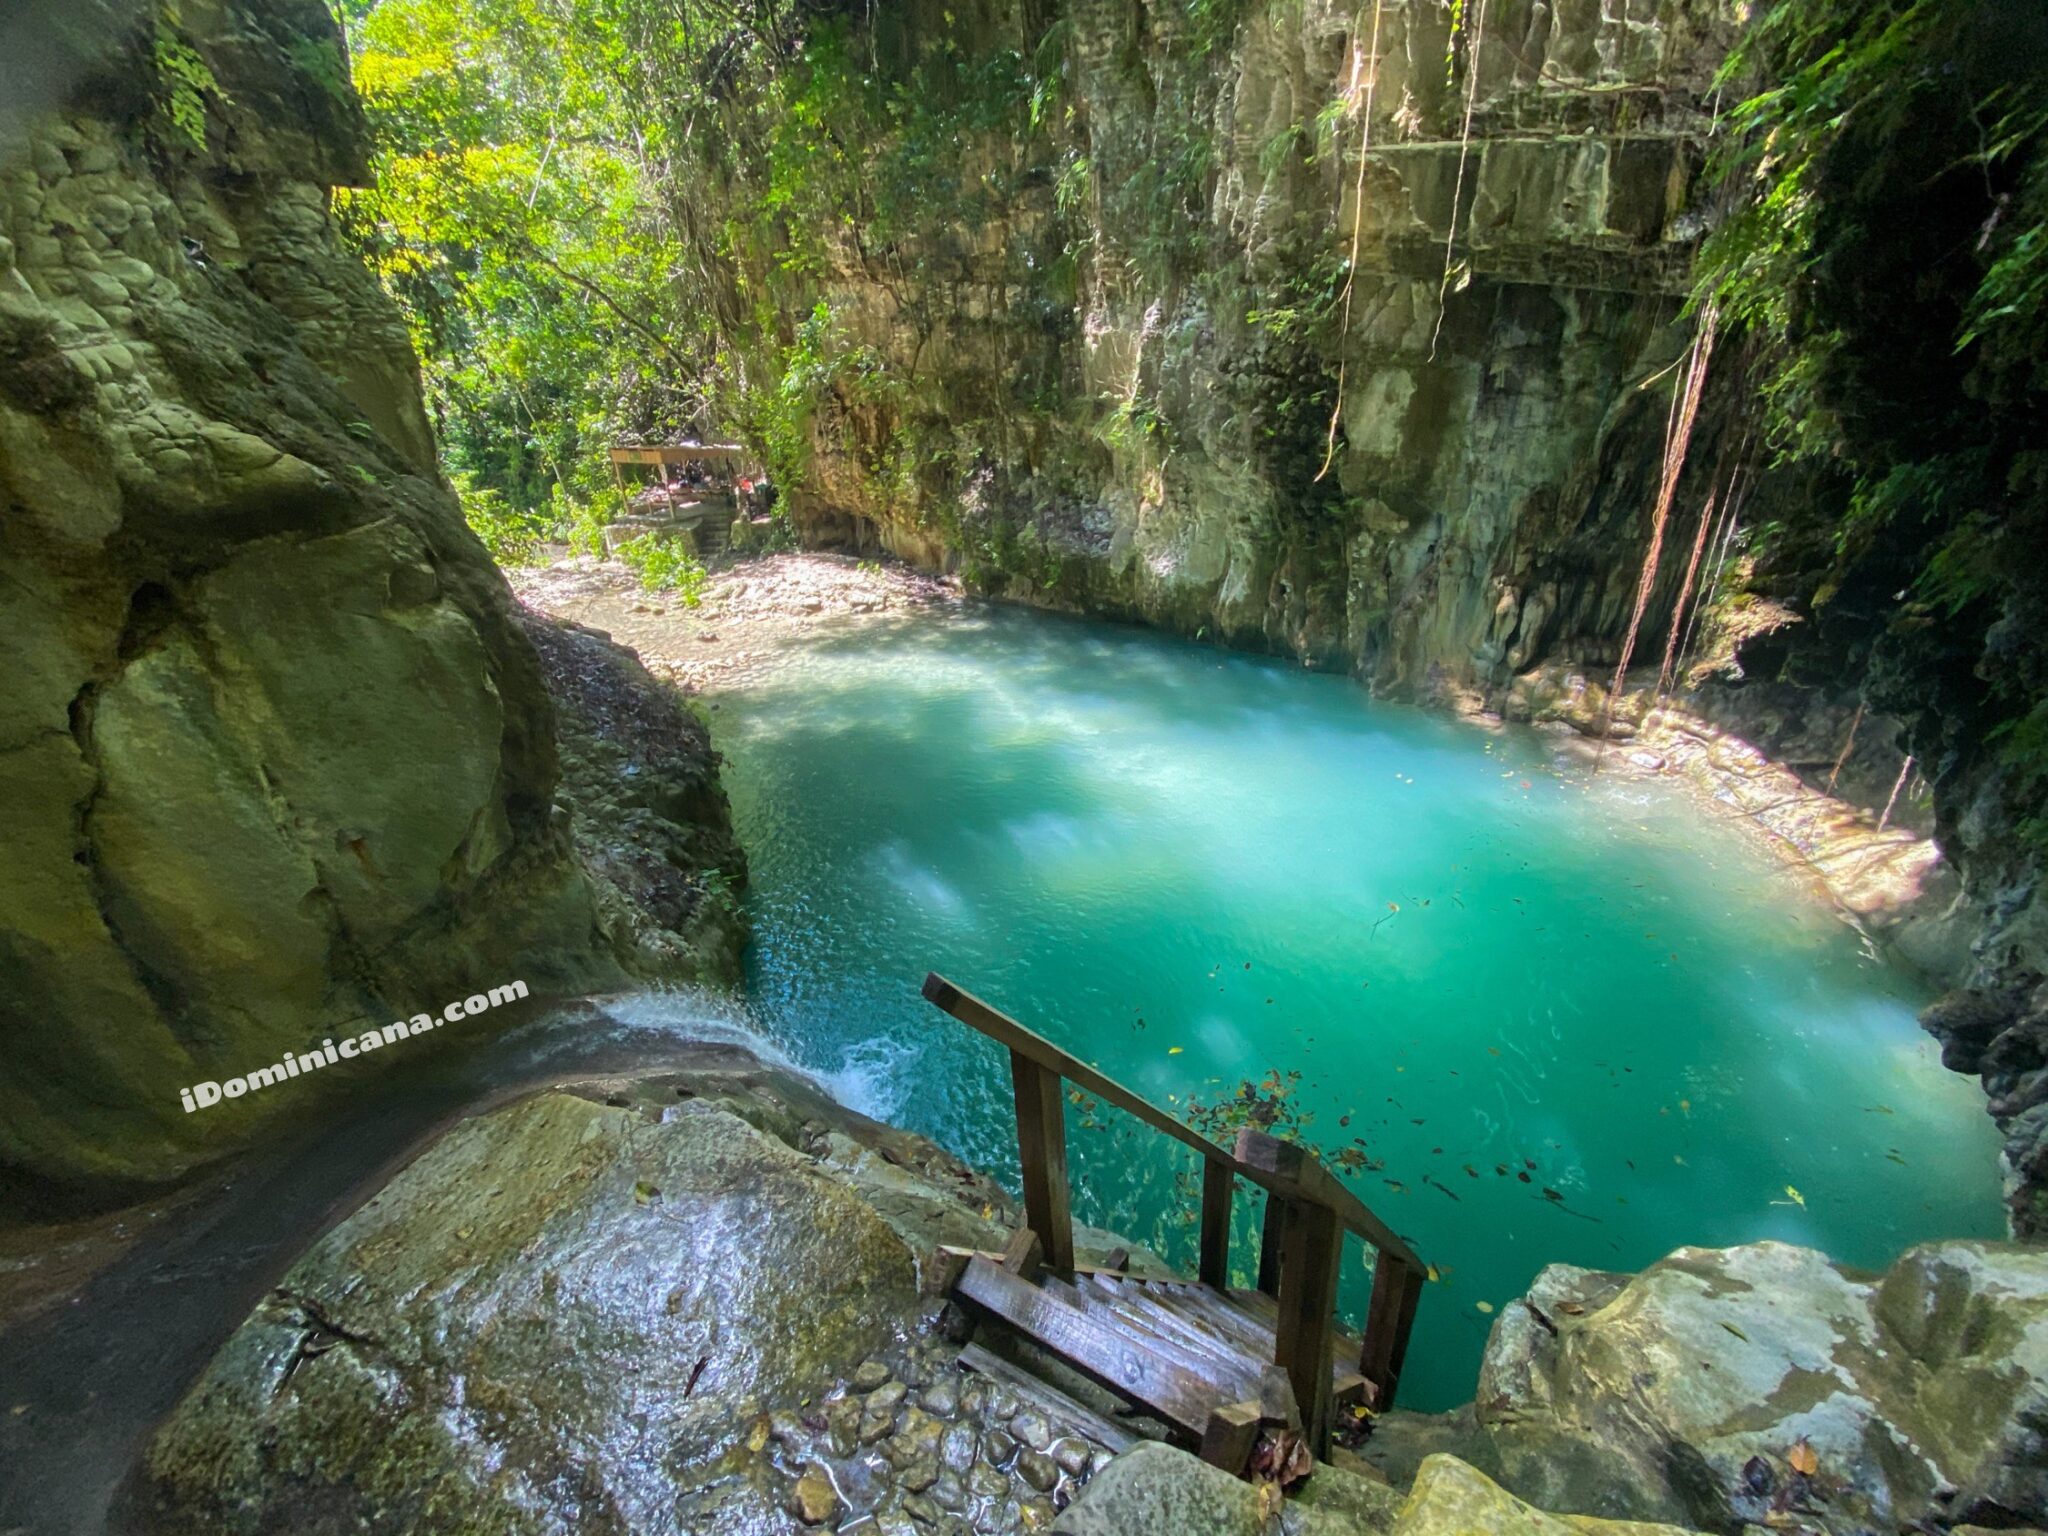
[(1183, 866)]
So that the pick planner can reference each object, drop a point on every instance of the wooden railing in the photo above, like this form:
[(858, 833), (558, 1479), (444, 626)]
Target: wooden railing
[(1307, 1213)]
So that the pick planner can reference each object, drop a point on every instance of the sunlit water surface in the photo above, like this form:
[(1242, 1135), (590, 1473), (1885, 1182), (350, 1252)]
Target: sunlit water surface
[(1564, 1019)]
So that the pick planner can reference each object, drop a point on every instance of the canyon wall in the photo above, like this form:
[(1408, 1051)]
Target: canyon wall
[(1082, 342), (1111, 390), (276, 761)]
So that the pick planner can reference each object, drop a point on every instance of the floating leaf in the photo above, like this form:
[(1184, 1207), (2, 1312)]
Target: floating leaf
[(1735, 1330), (1484, 1306), (1797, 1198), (1174, 1050), (645, 1193), (1802, 1459)]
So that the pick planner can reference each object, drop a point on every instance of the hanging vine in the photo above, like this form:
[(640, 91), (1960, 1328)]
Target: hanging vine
[(1677, 438), (1372, 77), (1464, 151)]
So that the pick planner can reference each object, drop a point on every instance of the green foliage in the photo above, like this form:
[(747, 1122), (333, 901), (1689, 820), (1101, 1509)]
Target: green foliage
[(183, 81), (513, 537), (1885, 261), (666, 564)]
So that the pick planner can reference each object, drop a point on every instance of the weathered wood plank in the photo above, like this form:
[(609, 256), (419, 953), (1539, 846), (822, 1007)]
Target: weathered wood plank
[(1042, 1150), (1025, 1254), (1232, 1432), (1389, 1319), (1311, 1244), (1121, 1364), (1061, 1409), (1310, 1182), (1299, 1168), (1269, 1244), (1219, 1184)]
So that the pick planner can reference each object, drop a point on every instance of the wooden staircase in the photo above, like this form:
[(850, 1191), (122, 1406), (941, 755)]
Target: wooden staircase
[(1220, 1366)]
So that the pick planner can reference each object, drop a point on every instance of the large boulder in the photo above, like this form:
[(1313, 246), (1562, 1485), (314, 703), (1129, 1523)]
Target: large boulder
[(1764, 1383), (276, 761), (565, 1314), (1155, 1490)]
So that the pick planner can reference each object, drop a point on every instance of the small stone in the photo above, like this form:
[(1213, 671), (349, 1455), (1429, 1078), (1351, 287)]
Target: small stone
[(875, 1428), (948, 1491), (1071, 1454), (870, 1375), (987, 1483), (998, 1447), (1039, 1470), (958, 1447), (1002, 1403), (1032, 1429), (920, 1474), (885, 1399), (1035, 1514), (942, 1397), (813, 1500)]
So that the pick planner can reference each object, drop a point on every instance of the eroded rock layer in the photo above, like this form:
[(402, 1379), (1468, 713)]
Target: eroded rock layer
[(276, 762)]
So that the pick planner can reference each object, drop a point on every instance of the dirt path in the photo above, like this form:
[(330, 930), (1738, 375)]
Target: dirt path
[(753, 615)]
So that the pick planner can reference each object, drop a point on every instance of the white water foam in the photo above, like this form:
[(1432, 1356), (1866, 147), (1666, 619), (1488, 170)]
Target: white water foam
[(872, 1077)]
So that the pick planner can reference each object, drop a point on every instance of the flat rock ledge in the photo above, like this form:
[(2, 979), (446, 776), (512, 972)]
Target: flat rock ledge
[(687, 1302), (699, 1301)]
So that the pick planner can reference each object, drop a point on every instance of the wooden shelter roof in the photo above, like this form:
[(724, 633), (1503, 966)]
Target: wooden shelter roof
[(676, 453)]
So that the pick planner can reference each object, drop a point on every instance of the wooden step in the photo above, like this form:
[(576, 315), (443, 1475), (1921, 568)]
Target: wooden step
[(1125, 1363)]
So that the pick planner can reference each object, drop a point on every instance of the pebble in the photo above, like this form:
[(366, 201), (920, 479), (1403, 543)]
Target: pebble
[(1071, 1454), (1039, 1470), (998, 1447), (813, 1500), (958, 1447), (1035, 1514), (886, 1399), (942, 1397), (876, 1427), (948, 1491), (920, 1474), (869, 1375), (1032, 1429)]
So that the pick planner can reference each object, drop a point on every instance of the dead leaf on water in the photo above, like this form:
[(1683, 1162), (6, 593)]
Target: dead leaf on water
[(1736, 1331), (1802, 1458)]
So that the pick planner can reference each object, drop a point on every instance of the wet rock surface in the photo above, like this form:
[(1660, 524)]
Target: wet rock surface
[(648, 816), (629, 1304), (275, 760), (1765, 1386)]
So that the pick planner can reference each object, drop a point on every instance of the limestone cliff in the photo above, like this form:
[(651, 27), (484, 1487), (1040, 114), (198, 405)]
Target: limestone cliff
[(276, 762), (1084, 345), (1114, 392)]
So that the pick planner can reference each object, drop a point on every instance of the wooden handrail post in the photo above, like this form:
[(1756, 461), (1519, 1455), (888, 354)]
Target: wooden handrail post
[(1270, 1235), (1219, 1187), (1311, 1245), (1042, 1155), (1389, 1316)]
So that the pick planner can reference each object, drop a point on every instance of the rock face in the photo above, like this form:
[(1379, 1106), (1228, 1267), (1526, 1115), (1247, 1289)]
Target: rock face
[(1154, 1490), (276, 762), (1113, 390), (680, 1304), (1695, 1391)]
